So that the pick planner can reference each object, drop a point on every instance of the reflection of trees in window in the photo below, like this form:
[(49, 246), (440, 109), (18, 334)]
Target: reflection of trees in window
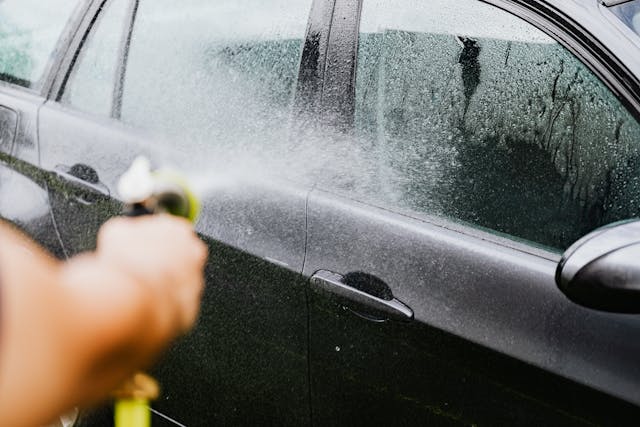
[(514, 136), (470, 68), (15, 63), (560, 138)]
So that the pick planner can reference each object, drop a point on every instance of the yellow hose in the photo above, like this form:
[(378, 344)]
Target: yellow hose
[(132, 413), (133, 399)]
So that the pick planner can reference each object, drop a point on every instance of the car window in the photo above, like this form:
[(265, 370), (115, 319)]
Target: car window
[(90, 87), (213, 72), (29, 30), (475, 115), (629, 14)]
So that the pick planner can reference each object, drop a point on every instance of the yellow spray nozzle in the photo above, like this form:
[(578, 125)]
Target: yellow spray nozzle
[(133, 399), (157, 191), (132, 413), (174, 195)]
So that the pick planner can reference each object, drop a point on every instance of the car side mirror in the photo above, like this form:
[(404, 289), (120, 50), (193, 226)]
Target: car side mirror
[(602, 270)]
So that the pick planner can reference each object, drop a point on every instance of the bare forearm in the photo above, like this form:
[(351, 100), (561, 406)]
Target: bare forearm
[(71, 332), (26, 337), (52, 315)]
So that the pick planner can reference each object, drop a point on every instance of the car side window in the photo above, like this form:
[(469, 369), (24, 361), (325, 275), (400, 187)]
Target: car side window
[(29, 31), (479, 117), (91, 85), (213, 72), (194, 71)]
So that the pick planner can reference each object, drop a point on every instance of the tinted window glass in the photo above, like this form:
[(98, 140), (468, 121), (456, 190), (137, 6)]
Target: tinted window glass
[(91, 85), (477, 116), (213, 71), (629, 13), (29, 30)]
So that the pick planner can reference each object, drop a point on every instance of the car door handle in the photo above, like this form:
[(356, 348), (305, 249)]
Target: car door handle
[(338, 287), (82, 183)]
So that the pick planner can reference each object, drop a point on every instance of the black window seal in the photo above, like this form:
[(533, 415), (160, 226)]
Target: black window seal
[(16, 82), (338, 92), (66, 63), (610, 3), (62, 47)]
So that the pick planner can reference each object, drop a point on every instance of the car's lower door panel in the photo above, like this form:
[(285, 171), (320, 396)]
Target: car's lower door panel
[(23, 185), (412, 323), (246, 361)]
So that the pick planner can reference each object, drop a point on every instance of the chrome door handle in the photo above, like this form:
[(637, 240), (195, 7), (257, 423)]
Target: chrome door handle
[(335, 284)]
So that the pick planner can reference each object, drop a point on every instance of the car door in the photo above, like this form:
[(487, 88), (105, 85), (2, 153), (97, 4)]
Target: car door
[(28, 53), (203, 88), (480, 149)]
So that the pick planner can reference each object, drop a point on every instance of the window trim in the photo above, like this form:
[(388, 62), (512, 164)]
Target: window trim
[(339, 86), (91, 21), (64, 43), (610, 3), (313, 60), (123, 60), (74, 49)]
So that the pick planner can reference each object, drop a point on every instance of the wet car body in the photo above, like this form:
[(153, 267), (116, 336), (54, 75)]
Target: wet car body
[(322, 306)]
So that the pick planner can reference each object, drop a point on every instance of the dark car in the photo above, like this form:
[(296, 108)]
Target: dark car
[(388, 188)]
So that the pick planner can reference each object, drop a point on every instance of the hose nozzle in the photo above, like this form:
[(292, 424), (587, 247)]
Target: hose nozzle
[(147, 191)]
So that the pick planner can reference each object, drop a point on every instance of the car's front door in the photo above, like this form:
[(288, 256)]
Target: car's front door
[(205, 88), (482, 149)]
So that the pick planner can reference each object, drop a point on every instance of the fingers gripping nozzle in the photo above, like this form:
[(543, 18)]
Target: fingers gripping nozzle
[(146, 191)]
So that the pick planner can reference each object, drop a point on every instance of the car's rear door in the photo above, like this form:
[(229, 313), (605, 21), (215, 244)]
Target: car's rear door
[(205, 88), (480, 150), (30, 45)]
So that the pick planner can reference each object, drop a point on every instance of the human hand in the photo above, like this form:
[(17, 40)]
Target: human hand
[(88, 324), (164, 256)]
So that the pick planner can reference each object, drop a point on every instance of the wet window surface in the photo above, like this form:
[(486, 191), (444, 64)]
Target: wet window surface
[(629, 14), (91, 85), (29, 30), (479, 117), (215, 72)]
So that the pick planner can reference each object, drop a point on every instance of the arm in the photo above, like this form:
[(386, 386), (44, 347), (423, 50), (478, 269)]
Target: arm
[(72, 332)]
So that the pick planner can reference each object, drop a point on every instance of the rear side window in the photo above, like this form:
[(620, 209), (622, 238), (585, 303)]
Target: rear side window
[(92, 82), (212, 71), (29, 30), (194, 70), (474, 115), (629, 14)]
